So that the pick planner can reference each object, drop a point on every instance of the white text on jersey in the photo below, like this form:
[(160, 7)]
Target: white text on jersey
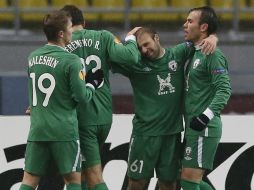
[(43, 60)]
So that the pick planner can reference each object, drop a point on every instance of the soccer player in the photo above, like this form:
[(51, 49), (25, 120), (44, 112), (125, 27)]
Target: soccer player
[(98, 48), (56, 85), (158, 84), (207, 91)]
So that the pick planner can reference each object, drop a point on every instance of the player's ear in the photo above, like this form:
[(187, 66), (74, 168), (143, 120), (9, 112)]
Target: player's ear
[(60, 34), (204, 27), (156, 37)]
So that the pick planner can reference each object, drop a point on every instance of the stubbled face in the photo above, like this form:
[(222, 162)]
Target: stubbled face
[(149, 47), (67, 34), (192, 29)]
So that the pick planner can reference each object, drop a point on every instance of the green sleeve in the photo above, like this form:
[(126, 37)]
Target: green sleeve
[(80, 92), (122, 69), (184, 51), (121, 53), (218, 68)]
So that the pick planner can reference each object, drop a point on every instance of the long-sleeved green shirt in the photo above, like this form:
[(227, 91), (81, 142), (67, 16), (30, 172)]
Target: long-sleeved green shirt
[(99, 49), (207, 86), (56, 85)]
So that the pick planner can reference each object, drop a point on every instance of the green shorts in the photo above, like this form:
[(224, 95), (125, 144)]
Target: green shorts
[(161, 153), (199, 152), (92, 138), (39, 156)]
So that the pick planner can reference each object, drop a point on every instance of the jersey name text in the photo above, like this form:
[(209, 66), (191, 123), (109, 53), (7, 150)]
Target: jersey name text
[(43, 60), (81, 43)]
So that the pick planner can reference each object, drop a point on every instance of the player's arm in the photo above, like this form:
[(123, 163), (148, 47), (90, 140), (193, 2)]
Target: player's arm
[(218, 70), (185, 50), (126, 54), (209, 44), (80, 92), (122, 69)]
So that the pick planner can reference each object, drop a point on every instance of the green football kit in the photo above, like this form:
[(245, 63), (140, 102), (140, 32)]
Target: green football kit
[(158, 87), (207, 90), (56, 86), (99, 49)]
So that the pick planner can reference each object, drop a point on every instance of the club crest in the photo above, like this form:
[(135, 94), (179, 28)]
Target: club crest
[(172, 65)]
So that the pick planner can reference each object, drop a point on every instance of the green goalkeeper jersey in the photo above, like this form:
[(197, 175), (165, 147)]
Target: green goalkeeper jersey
[(158, 92), (207, 86), (98, 49), (56, 85)]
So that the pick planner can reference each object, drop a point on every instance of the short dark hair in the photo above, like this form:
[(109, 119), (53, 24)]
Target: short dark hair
[(209, 17), (144, 30), (76, 14), (55, 22)]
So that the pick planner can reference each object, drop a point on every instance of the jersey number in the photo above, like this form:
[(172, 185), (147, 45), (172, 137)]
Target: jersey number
[(98, 64), (137, 166), (97, 61), (47, 91)]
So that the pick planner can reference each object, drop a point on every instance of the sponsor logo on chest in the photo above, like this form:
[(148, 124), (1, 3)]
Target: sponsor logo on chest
[(165, 85)]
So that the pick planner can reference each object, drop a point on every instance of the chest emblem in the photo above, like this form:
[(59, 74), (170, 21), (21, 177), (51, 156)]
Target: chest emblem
[(196, 63), (165, 85), (172, 65)]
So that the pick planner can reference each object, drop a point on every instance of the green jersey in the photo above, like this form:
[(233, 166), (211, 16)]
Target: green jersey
[(56, 84), (207, 86), (98, 49), (158, 92)]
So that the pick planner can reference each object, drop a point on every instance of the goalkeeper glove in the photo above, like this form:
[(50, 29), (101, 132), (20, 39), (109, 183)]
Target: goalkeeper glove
[(199, 123), (94, 79)]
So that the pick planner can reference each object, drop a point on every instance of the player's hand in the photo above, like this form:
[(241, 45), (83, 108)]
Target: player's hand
[(131, 34), (94, 80), (209, 44), (199, 123), (28, 111), (133, 31)]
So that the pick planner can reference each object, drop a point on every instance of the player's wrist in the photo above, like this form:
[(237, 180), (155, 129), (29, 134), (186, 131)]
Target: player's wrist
[(130, 37), (208, 113)]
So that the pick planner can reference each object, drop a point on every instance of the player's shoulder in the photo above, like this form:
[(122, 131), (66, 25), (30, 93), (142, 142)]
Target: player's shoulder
[(217, 53), (217, 56), (98, 32), (69, 55), (37, 51), (101, 34), (180, 47)]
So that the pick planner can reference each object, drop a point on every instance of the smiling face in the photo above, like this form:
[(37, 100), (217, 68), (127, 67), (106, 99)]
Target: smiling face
[(148, 46)]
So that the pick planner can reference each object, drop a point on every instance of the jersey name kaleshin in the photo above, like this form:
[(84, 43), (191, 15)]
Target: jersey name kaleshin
[(43, 60)]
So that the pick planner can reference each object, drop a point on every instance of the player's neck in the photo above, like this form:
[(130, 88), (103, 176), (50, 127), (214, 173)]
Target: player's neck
[(199, 40), (162, 53), (77, 28), (62, 45)]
